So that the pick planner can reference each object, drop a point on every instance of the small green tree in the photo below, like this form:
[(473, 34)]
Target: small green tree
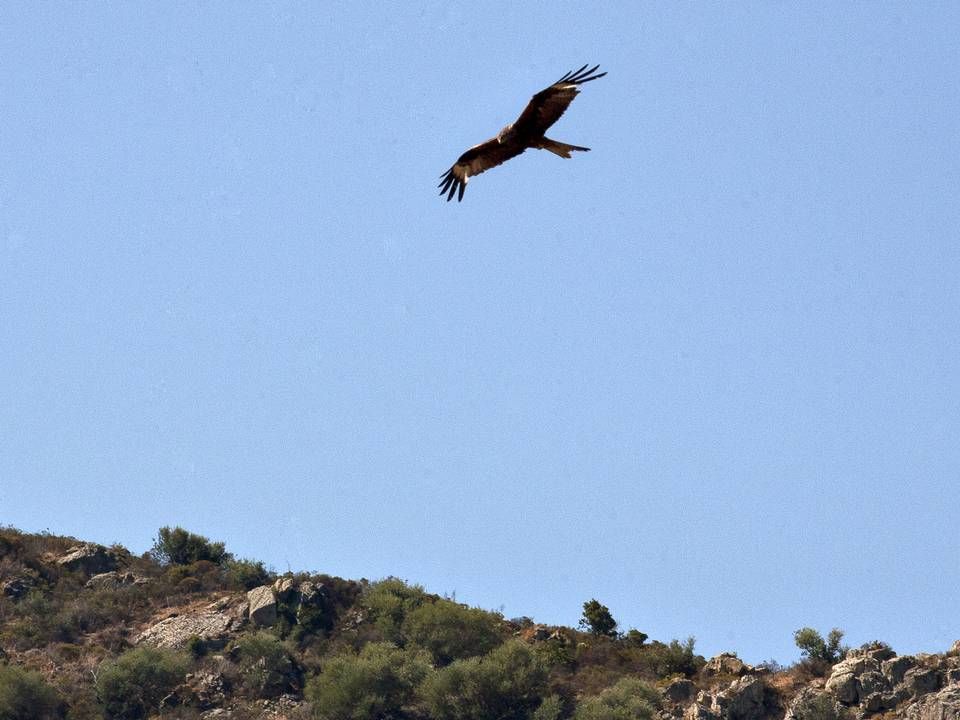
[(176, 546), (25, 695), (628, 699), (132, 686), (597, 619), (814, 647), (376, 684)]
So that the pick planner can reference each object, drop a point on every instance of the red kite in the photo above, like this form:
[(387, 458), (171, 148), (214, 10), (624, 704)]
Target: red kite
[(543, 110)]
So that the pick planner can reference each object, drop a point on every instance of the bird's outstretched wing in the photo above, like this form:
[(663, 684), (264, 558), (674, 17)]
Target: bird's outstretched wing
[(475, 161), (546, 107)]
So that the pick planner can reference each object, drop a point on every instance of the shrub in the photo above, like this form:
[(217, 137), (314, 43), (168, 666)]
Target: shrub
[(388, 603), (598, 620), (246, 574), (635, 638), (508, 684), (452, 632), (629, 699), (550, 709), (814, 647), (133, 685), (675, 658), (176, 546), (378, 683), (266, 664), (25, 695)]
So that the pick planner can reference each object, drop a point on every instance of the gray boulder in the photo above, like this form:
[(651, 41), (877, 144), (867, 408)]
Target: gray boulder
[(725, 664), (896, 668), (284, 589), (263, 606), (921, 680), (17, 586), (88, 558), (872, 682)]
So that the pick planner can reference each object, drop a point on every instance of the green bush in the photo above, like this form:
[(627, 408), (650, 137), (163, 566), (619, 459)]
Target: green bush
[(635, 638), (388, 602), (176, 546), (675, 658), (133, 685), (814, 647), (598, 620), (550, 709), (246, 574), (376, 684), (452, 632), (266, 665), (629, 699), (507, 684), (25, 695)]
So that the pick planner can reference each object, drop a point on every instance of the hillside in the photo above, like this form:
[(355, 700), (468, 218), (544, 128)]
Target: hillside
[(188, 631)]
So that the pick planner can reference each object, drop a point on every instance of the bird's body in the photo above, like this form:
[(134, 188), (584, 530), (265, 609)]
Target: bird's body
[(528, 131)]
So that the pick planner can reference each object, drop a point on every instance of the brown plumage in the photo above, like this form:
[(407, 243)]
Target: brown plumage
[(543, 110)]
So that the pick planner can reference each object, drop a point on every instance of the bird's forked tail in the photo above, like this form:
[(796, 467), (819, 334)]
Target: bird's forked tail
[(559, 148)]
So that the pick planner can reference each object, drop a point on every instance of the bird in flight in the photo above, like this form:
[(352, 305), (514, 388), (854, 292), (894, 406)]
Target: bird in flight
[(527, 131)]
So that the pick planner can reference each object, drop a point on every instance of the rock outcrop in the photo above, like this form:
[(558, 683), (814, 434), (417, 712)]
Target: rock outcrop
[(212, 625), (725, 664), (263, 606), (114, 579), (88, 558), (943, 705), (746, 698), (17, 586)]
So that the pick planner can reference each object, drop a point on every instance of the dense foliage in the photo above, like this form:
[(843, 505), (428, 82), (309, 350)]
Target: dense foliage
[(25, 695), (133, 685)]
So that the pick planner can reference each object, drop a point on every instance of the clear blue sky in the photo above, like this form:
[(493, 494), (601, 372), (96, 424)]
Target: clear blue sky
[(708, 373)]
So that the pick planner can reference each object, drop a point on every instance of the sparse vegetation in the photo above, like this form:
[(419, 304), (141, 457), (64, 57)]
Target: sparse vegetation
[(339, 649)]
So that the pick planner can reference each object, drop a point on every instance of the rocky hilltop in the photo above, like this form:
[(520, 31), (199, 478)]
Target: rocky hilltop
[(188, 631)]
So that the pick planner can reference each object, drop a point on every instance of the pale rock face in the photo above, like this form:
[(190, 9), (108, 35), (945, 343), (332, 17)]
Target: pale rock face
[(176, 632), (745, 699), (284, 588), (944, 705), (89, 558), (263, 606), (725, 664), (114, 579), (896, 668)]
